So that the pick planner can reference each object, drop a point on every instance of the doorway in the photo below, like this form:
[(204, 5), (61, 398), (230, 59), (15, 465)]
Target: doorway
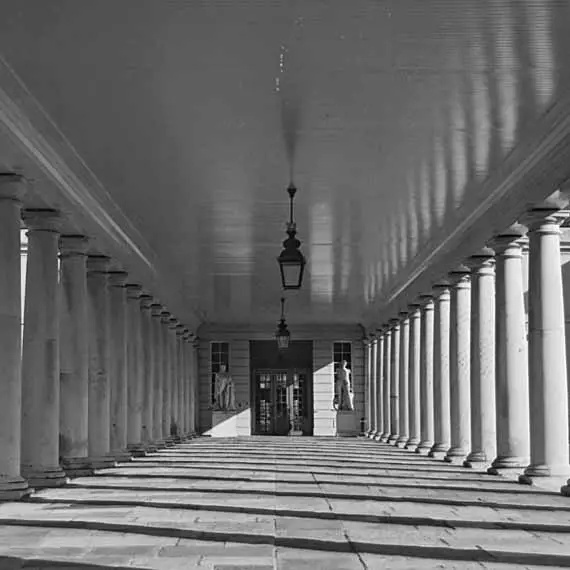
[(281, 388), (281, 402)]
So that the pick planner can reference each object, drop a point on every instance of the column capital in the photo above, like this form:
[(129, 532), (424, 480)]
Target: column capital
[(442, 291), (42, 220), (156, 310), (98, 264), (426, 302), (134, 290), (394, 323), (415, 309), (404, 315), (187, 335), (118, 278), (12, 186), (173, 323), (146, 301), (164, 316), (180, 330), (544, 220), (482, 262), (460, 277), (73, 245), (510, 242)]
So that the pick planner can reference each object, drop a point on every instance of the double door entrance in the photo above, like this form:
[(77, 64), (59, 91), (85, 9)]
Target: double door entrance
[(282, 402)]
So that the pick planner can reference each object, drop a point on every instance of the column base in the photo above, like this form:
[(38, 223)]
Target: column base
[(548, 476), (510, 467), (384, 437), (412, 444), (456, 456), (477, 460), (424, 447), (377, 436), (76, 467), (42, 478), (13, 488), (121, 455), (136, 449), (402, 441), (393, 439), (439, 451), (101, 462)]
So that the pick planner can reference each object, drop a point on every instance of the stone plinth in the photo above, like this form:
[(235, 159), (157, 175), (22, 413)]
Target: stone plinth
[(224, 424), (347, 423)]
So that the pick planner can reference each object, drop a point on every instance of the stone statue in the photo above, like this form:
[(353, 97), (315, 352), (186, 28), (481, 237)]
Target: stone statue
[(343, 388), (225, 394)]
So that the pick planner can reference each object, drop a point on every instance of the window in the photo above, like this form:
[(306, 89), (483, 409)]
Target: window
[(342, 351), (219, 354)]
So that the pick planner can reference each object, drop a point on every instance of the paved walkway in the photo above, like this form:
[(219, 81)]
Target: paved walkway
[(286, 503)]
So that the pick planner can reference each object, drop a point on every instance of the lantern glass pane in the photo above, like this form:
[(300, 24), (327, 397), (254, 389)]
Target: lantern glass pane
[(290, 274)]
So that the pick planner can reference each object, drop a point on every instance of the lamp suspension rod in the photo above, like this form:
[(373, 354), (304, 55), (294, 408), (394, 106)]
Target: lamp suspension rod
[(292, 190), (282, 307)]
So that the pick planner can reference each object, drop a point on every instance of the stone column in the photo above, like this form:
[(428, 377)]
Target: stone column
[(460, 370), (157, 390), (426, 376), (134, 371), (190, 420), (196, 374), (185, 384), (395, 383), (74, 357), (403, 379), (118, 376), (442, 427), (378, 380), (12, 484), (166, 379), (414, 378), (180, 379), (99, 414), (483, 416), (370, 388), (147, 372), (549, 459), (511, 375), (386, 384), (174, 427), (40, 354)]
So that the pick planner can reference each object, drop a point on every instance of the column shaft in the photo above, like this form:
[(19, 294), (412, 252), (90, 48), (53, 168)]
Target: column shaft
[(404, 434), (511, 391), (74, 357), (395, 384), (119, 371), (548, 385), (426, 378), (99, 405), (147, 373), (386, 384), (158, 390), (40, 354), (483, 416), (442, 426), (174, 430), (378, 380), (414, 378), (12, 485), (166, 377), (371, 388)]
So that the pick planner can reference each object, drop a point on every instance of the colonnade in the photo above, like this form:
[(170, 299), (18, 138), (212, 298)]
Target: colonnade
[(103, 371), (461, 376)]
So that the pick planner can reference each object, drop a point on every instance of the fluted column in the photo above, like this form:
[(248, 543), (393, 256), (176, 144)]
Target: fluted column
[(157, 390), (166, 376), (12, 485), (119, 371), (386, 386), (40, 354), (460, 370), (134, 370), (511, 391), (442, 419), (426, 376), (404, 432), (395, 383), (549, 459), (483, 416), (414, 378), (379, 386), (147, 373), (99, 415), (74, 356)]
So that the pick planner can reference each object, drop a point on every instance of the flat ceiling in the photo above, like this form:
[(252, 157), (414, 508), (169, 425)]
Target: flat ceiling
[(390, 116)]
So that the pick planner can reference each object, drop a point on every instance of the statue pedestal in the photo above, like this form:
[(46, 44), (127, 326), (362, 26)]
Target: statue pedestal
[(347, 423), (224, 424)]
